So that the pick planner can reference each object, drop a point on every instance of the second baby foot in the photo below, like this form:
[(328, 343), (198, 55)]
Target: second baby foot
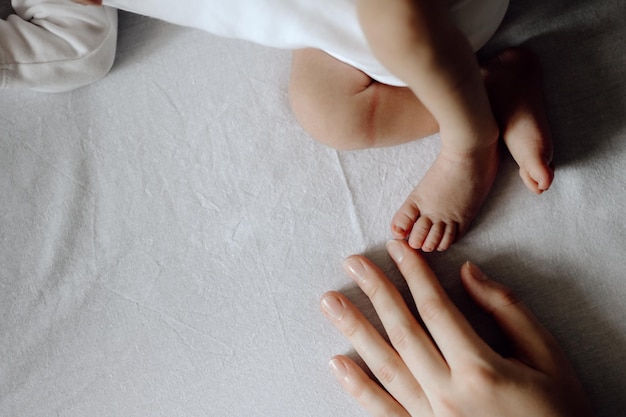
[(439, 210), (515, 88)]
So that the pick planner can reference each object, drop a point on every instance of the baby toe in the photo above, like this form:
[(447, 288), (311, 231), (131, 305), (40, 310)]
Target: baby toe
[(420, 231), (404, 219), (543, 176), (449, 236), (537, 179), (434, 237), (529, 182)]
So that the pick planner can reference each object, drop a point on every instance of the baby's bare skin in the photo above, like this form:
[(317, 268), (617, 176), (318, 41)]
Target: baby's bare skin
[(444, 203), (342, 116), (513, 81), (416, 40), (447, 92)]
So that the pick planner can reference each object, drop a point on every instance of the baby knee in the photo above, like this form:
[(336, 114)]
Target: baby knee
[(337, 126)]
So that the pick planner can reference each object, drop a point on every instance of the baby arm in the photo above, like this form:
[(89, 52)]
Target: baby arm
[(56, 45)]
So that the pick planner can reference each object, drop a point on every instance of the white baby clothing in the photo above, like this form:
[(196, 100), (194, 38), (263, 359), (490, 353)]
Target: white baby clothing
[(329, 25), (56, 45)]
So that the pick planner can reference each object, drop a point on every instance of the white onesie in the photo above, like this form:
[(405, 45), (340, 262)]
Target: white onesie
[(329, 25)]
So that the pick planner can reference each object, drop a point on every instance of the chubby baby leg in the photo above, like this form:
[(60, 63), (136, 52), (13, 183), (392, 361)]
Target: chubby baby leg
[(344, 108), (417, 41)]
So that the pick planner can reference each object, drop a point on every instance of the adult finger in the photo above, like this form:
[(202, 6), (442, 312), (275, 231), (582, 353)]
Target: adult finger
[(362, 388), (534, 345), (454, 336), (382, 359), (405, 334)]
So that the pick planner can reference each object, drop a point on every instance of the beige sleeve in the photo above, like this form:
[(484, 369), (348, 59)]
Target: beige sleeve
[(56, 45)]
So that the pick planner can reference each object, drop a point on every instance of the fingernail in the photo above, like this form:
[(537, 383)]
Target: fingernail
[(338, 368), (355, 269), (333, 307), (396, 250), (476, 272)]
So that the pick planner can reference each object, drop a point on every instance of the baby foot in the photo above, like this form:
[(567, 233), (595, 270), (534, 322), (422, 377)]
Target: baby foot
[(439, 210), (514, 84)]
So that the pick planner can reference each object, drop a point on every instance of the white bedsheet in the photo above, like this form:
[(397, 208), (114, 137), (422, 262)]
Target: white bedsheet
[(166, 233)]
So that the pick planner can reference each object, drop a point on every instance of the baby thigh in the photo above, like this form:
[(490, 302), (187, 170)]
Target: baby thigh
[(343, 108)]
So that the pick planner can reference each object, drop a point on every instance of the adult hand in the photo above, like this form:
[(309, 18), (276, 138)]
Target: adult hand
[(454, 373)]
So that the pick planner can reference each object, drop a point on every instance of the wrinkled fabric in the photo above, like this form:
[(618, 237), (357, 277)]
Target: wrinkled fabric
[(166, 233)]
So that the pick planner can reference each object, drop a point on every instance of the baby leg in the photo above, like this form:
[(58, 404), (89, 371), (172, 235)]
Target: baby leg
[(345, 109), (416, 40), (514, 85), (342, 107)]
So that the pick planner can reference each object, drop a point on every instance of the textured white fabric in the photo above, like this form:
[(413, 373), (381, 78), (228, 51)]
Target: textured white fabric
[(166, 232)]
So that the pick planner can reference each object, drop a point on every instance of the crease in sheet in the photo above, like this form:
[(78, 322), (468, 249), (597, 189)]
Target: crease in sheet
[(267, 274), (355, 219), (176, 324)]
